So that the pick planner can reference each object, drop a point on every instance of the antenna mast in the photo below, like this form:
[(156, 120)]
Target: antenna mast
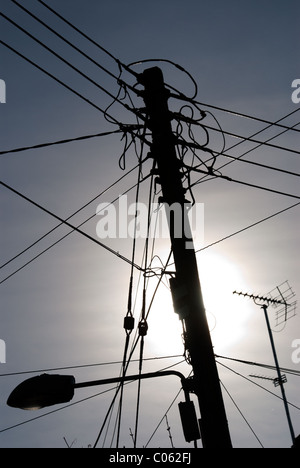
[(266, 301)]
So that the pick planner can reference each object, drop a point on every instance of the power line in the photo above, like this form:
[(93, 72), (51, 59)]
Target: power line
[(74, 47), (255, 383), (70, 232), (244, 139), (253, 140), (66, 235), (118, 62), (66, 62), (220, 240), (278, 192), (260, 187), (259, 145), (71, 216), (248, 227), (55, 79), (128, 108), (264, 166), (61, 142), (258, 364), (84, 366), (240, 182), (196, 146), (136, 341), (250, 117), (125, 128), (128, 68), (212, 171), (109, 249)]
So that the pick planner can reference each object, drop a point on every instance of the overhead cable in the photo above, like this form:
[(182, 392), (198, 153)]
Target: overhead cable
[(248, 227), (117, 254), (240, 114), (55, 78), (66, 62), (74, 47), (118, 62), (253, 140), (59, 142), (71, 216)]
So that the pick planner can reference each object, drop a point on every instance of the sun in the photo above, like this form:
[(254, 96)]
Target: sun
[(219, 277)]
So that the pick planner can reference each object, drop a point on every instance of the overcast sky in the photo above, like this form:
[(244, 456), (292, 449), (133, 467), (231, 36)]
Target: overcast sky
[(66, 307)]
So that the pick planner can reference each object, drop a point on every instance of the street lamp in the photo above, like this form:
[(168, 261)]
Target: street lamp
[(51, 389), (41, 391)]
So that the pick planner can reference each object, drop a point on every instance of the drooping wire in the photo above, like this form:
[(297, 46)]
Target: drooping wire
[(211, 171), (134, 345), (129, 319), (130, 357), (259, 143), (143, 325), (179, 67)]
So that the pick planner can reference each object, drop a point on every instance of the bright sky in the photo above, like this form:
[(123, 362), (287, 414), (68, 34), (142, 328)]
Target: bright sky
[(65, 308)]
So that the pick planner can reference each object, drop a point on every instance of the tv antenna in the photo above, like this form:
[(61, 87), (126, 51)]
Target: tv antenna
[(285, 293), (264, 303), (272, 379)]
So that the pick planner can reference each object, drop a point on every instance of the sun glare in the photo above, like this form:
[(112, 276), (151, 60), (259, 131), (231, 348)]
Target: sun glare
[(219, 278), (227, 323)]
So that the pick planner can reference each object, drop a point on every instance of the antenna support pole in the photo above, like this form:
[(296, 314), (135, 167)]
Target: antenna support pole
[(280, 379), (286, 406)]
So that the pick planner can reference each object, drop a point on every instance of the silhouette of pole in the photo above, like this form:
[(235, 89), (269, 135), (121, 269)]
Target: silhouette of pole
[(206, 384), (286, 406)]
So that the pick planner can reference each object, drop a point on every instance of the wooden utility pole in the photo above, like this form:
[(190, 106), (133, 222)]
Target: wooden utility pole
[(186, 288)]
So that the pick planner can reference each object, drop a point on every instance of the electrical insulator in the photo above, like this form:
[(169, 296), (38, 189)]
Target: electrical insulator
[(129, 323), (143, 328)]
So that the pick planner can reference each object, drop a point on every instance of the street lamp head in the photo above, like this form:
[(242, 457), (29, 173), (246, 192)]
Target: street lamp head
[(41, 391)]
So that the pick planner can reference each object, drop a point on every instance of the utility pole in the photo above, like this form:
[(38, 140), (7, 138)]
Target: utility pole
[(185, 286)]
